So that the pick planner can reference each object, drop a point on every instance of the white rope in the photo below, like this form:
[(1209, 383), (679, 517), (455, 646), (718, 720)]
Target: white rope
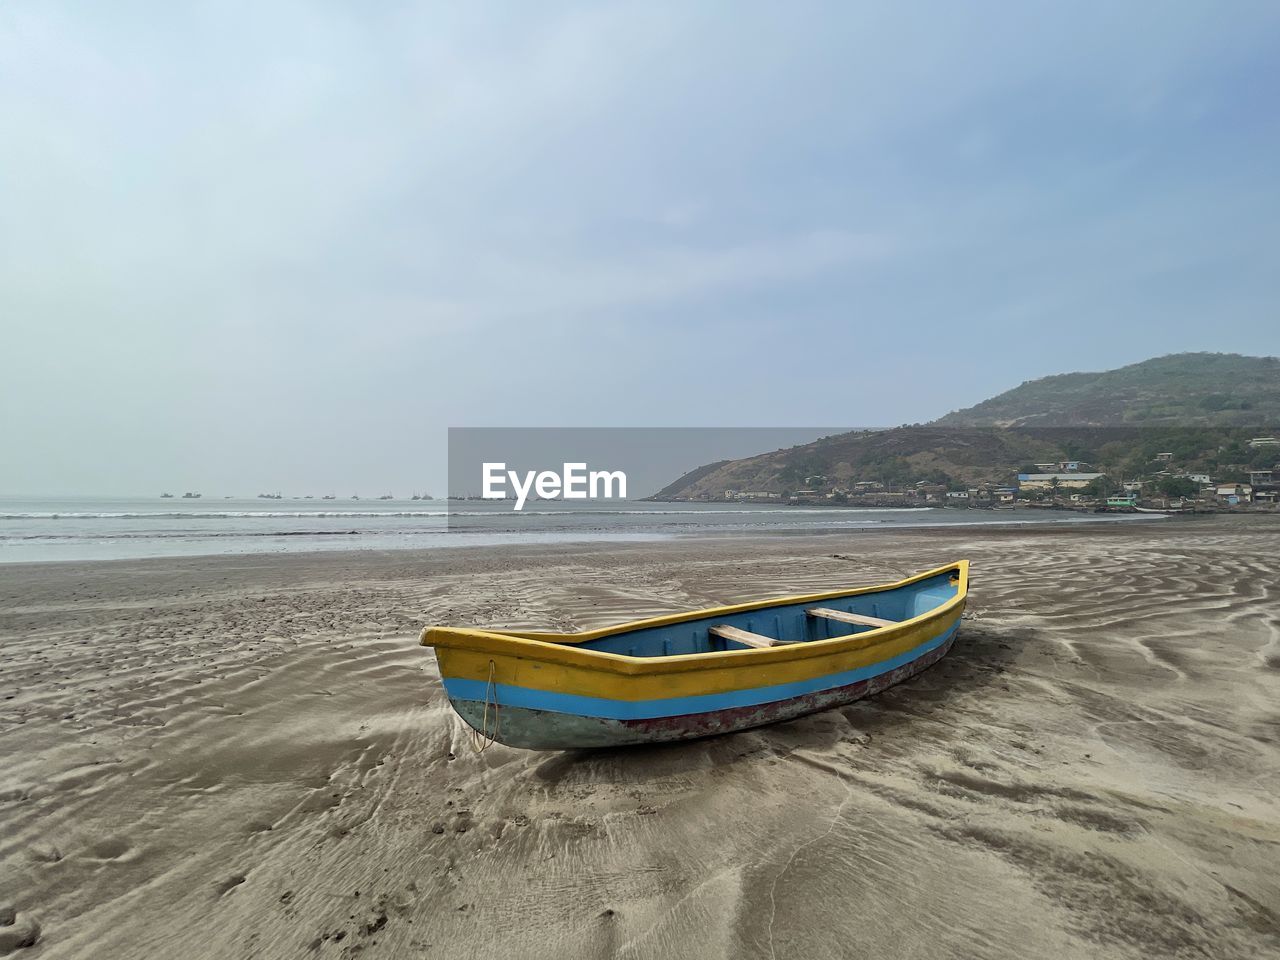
[(481, 740)]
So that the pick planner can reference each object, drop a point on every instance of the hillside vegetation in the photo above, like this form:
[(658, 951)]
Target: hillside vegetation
[(1185, 390), (1202, 408)]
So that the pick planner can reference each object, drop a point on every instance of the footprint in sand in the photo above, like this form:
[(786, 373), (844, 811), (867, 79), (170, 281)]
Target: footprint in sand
[(112, 850), (47, 853), (17, 931), (225, 886)]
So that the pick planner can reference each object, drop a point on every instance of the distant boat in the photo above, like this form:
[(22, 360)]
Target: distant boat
[(329, 496), (166, 496), (386, 496), (191, 496), (696, 674)]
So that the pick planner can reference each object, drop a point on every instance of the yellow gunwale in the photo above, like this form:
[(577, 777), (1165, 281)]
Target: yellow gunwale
[(560, 648)]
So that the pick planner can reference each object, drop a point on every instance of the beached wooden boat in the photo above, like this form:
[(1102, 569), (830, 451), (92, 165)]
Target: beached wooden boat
[(695, 674)]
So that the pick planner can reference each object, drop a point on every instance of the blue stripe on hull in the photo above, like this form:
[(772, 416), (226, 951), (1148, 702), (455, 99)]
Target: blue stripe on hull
[(576, 705)]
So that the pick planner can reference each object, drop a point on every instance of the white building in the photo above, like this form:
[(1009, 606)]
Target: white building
[(1237, 492)]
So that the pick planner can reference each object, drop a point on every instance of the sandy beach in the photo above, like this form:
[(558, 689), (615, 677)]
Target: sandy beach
[(252, 757)]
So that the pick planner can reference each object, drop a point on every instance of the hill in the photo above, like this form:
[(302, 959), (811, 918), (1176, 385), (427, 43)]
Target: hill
[(1203, 408), (690, 479), (1185, 389)]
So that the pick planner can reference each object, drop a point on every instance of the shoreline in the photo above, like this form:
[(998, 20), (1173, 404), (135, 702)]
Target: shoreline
[(504, 539)]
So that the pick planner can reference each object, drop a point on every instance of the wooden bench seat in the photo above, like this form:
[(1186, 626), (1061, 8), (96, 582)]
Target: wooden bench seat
[(726, 632), (856, 618)]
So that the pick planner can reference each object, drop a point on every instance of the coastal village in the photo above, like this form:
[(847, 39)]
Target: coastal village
[(1164, 486)]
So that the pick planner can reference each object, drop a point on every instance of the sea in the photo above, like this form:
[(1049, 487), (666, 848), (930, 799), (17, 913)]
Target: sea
[(38, 529)]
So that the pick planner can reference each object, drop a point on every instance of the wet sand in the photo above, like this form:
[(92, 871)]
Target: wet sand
[(251, 757)]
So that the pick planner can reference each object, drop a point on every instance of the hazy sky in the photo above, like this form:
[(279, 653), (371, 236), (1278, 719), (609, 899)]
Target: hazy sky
[(261, 246)]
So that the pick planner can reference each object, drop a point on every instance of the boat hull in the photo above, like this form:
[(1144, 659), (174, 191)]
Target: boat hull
[(536, 729), (702, 673)]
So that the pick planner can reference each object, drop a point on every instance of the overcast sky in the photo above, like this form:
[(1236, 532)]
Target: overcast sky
[(261, 246)]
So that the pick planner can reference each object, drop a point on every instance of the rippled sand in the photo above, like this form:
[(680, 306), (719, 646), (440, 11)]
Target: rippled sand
[(250, 757)]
